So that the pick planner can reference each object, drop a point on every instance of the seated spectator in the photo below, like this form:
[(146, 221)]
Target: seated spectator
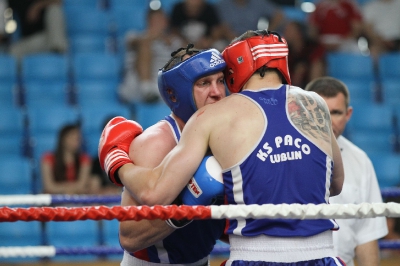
[(67, 170), (382, 26), (146, 54), (197, 22), (336, 25), (42, 27), (238, 16)]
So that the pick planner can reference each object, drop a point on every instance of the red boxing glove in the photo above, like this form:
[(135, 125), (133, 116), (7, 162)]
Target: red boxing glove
[(114, 145)]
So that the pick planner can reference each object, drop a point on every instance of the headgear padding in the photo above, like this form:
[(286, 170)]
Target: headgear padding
[(176, 84), (245, 57)]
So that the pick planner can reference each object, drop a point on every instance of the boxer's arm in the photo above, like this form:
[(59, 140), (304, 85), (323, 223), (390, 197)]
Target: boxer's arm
[(146, 150)]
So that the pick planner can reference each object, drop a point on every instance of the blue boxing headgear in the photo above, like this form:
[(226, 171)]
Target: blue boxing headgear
[(176, 84)]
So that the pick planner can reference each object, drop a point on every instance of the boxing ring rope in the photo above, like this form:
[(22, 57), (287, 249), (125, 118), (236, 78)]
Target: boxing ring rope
[(123, 213), (49, 199)]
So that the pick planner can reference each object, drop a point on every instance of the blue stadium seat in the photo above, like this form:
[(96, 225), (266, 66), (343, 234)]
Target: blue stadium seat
[(15, 175), (20, 233), (88, 44), (12, 130), (391, 91), (349, 65), (73, 234), (128, 19), (93, 120), (294, 14), (39, 94), (9, 94), (373, 142), (96, 66), (127, 4), (45, 67), (149, 114), (387, 168), (361, 91), (8, 69), (95, 92), (389, 66), (87, 21), (94, 4), (372, 117), (50, 118), (110, 229)]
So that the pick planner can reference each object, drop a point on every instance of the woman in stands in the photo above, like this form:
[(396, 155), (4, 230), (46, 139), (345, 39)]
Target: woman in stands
[(67, 170)]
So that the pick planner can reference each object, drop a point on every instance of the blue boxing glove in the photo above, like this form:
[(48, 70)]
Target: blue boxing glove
[(206, 186)]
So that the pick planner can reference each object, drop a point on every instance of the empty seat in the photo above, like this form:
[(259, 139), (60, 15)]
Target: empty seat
[(349, 65), (88, 43), (373, 142), (361, 91), (111, 231), (391, 91), (39, 94), (372, 118), (147, 114), (389, 66), (9, 95), (94, 4), (12, 130), (20, 233), (73, 234), (387, 168), (8, 69), (95, 67), (81, 21), (128, 19), (50, 118), (95, 92), (94, 118), (15, 175), (45, 67)]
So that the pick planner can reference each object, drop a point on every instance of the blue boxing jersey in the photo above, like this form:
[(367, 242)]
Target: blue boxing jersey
[(284, 167), (189, 244)]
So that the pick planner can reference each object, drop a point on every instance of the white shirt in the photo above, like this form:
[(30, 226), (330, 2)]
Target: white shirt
[(360, 185)]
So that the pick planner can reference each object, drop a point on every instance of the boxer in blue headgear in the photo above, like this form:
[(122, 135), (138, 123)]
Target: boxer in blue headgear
[(190, 80), (177, 77)]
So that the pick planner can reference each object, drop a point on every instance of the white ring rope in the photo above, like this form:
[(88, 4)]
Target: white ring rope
[(37, 251), (307, 211), (41, 199)]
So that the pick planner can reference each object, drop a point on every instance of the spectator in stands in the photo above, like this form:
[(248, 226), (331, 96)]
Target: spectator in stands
[(42, 27), (382, 26), (197, 22), (238, 16), (67, 170), (336, 25), (147, 53)]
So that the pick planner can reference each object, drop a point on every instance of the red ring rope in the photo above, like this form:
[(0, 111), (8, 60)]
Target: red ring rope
[(121, 213)]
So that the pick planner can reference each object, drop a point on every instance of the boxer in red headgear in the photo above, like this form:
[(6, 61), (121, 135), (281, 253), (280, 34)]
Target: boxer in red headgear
[(275, 145)]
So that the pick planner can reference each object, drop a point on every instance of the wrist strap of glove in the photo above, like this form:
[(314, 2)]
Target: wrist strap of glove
[(177, 224)]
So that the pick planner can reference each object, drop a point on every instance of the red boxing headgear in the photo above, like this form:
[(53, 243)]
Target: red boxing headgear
[(245, 57)]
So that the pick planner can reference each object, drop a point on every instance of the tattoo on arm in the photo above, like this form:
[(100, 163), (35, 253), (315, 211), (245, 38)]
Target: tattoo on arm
[(310, 115)]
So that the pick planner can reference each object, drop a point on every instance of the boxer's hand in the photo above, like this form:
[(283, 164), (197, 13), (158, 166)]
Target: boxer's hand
[(114, 145), (206, 186)]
